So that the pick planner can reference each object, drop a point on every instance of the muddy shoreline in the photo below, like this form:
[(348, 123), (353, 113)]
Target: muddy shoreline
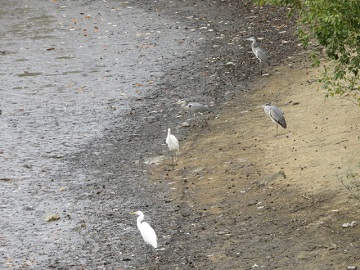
[(203, 76), (93, 186)]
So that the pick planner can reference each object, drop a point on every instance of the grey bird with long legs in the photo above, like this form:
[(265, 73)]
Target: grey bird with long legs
[(275, 114), (194, 107), (259, 53)]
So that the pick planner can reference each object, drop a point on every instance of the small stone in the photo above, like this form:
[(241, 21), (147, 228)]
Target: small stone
[(351, 267), (51, 217), (230, 64)]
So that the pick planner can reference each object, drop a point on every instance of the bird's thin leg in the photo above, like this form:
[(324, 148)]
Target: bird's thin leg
[(146, 253), (206, 122), (194, 122), (277, 129), (149, 253), (204, 119), (172, 157), (260, 68)]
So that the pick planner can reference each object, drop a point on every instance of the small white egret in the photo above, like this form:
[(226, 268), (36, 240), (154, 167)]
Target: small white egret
[(275, 114), (173, 145), (147, 232), (259, 53)]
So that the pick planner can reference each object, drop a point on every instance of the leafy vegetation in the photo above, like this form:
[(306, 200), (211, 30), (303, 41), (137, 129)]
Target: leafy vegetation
[(351, 181), (335, 24)]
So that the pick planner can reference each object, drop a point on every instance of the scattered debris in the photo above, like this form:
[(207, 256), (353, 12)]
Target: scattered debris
[(347, 225), (6, 179), (185, 124), (51, 217)]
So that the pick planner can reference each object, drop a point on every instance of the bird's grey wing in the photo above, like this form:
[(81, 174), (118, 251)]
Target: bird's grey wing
[(262, 55), (195, 104), (277, 115), (198, 107)]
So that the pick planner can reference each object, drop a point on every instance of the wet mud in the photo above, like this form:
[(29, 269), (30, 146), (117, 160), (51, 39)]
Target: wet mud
[(88, 92)]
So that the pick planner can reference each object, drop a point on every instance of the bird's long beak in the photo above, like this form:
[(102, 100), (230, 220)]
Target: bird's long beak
[(262, 106), (132, 213)]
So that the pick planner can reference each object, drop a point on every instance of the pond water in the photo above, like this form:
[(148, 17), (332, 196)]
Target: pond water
[(68, 68)]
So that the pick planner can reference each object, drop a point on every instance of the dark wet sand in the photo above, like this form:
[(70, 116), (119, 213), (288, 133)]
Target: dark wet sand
[(86, 104)]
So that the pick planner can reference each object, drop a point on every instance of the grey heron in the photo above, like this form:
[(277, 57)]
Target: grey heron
[(275, 114), (173, 145), (259, 53), (147, 232), (194, 107)]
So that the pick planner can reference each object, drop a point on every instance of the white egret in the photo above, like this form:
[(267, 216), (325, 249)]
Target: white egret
[(147, 232), (173, 145)]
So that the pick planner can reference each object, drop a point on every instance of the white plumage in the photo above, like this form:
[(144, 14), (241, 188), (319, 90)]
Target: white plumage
[(147, 232), (173, 144)]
